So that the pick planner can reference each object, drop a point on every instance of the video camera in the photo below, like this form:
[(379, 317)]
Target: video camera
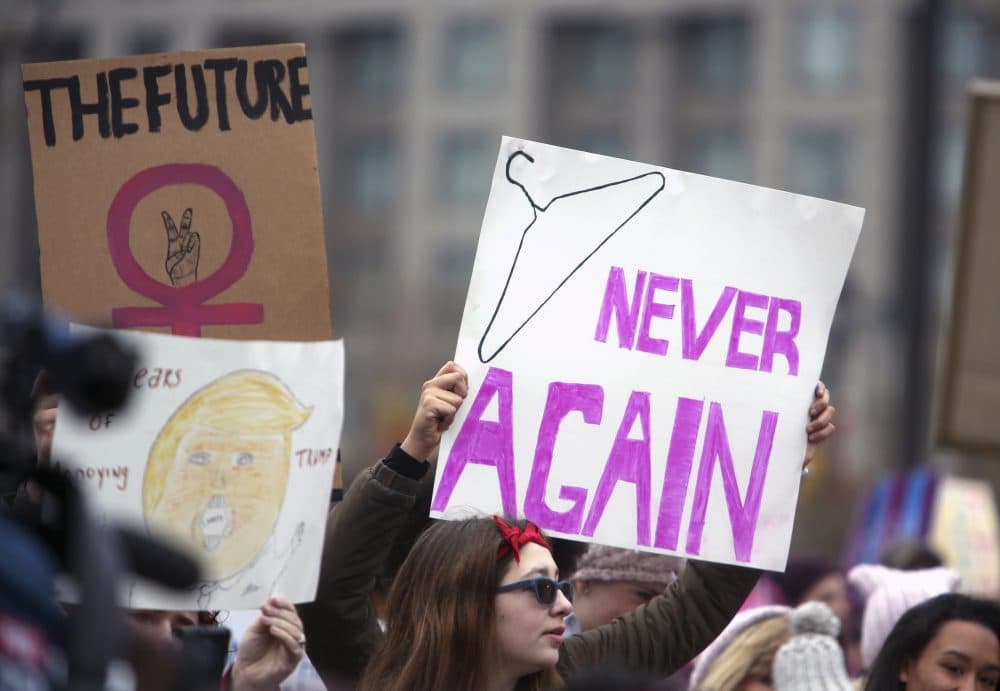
[(51, 531)]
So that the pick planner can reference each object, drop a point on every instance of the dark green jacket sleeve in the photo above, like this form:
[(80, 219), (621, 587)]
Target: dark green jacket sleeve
[(662, 636), (340, 625)]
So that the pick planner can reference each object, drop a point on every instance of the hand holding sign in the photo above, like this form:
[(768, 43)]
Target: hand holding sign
[(440, 399), (820, 426), (183, 250)]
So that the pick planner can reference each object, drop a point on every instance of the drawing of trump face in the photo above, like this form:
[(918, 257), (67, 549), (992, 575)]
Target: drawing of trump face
[(218, 470)]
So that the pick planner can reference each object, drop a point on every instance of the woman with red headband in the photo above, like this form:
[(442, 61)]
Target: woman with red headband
[(479, 604)]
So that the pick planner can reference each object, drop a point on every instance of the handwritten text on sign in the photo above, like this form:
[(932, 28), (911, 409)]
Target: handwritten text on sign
[(642, 349)]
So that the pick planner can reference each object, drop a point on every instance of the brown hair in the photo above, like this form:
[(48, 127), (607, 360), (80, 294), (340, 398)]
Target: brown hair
[(440, 622)]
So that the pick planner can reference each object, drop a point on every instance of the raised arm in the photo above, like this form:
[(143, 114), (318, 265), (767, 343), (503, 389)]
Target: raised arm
[(379, 507)]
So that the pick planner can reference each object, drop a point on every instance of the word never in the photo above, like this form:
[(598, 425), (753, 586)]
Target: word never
[(111, 104), (99, 473), (492, 444), (633, 334)]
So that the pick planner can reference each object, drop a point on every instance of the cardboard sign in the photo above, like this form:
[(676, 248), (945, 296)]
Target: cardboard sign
[(970, 380), (642, 347), (228, 449), (179, 192)]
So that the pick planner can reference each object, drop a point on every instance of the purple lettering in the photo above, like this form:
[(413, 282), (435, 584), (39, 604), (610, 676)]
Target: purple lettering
[(742, 513), (743, 324), (627, 462), (781, 341), (692, 342), (678, 471), (626, 313), (645, 342), (562, 399), (485, 443)]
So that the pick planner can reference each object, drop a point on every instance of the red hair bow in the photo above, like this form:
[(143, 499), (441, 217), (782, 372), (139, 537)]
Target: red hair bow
[(514, 538)]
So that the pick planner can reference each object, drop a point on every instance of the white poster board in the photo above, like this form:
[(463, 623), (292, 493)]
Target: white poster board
[(227, 448), (642, 347)]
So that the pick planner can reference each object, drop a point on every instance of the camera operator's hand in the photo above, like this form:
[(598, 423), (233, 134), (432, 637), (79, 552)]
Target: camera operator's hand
[(270, 649)]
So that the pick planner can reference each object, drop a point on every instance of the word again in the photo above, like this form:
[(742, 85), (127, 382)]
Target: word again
[(634, 317), (628, 461), (280, 87)]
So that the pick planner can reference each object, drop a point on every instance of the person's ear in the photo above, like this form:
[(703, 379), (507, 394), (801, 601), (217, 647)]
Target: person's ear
[(904, 672)]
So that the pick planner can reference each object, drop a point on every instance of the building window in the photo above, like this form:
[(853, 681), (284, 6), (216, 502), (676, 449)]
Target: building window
[(969, 46), (371, 174), (606, 141), (714, 53), (591, 58), (150, 40), (466, 168), (368, 62), (817, 164), (236, 37), (951, 167), (721, 153), (473, 57), (825, 46)]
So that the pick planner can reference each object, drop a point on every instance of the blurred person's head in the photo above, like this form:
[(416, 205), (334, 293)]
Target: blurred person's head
[(888, 593), (610, 582), (741, 658), (910, 555), (164, 624), (217, 472), (951, 641), (811, 660), (43, 419), (810, 579), (466, 607)]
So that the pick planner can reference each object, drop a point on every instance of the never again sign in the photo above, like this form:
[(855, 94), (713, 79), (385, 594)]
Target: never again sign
[(642, 347)]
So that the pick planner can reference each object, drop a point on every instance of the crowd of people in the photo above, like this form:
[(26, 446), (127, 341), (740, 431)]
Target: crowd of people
[(407, 603)]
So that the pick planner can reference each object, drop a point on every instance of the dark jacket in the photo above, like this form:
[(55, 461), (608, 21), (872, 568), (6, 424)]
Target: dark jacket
[(383, 503)]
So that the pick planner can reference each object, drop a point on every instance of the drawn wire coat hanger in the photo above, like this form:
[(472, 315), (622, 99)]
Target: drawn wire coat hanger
[(535, 209)]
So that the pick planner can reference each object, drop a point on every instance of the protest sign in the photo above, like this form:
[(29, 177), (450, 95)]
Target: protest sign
[(642, 347), (970, 372), (228, 449), (179, 192)]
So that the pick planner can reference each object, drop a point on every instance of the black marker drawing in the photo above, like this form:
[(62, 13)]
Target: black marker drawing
[(601, 219), (183, 250)]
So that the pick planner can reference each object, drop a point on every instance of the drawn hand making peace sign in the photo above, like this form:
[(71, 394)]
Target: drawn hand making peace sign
[(183, 249)]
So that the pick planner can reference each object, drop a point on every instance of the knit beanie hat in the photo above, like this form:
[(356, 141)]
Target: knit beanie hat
[(811, 660), (603, 563), (801, 573), (740, 623), (888, 593)]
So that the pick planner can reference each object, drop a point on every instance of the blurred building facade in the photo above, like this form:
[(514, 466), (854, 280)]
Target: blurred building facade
[(410, 100)]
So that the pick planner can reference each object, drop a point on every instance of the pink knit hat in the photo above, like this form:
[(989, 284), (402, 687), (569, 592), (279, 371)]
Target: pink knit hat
[(603, 563), (888, 593)]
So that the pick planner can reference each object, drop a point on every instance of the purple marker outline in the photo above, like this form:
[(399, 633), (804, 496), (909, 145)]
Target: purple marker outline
[(183, 307)]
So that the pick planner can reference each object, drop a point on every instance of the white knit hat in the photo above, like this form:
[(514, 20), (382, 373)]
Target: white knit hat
[(740, 623), (890, 592), (811, 660)]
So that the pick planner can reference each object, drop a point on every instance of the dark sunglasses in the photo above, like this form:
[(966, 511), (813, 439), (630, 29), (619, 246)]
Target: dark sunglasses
[(545, 589)]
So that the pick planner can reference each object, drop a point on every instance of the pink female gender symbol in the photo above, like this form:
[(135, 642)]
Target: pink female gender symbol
[(184, 308)]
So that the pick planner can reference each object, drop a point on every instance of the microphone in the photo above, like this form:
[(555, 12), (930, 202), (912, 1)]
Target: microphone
[(157, 561)]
